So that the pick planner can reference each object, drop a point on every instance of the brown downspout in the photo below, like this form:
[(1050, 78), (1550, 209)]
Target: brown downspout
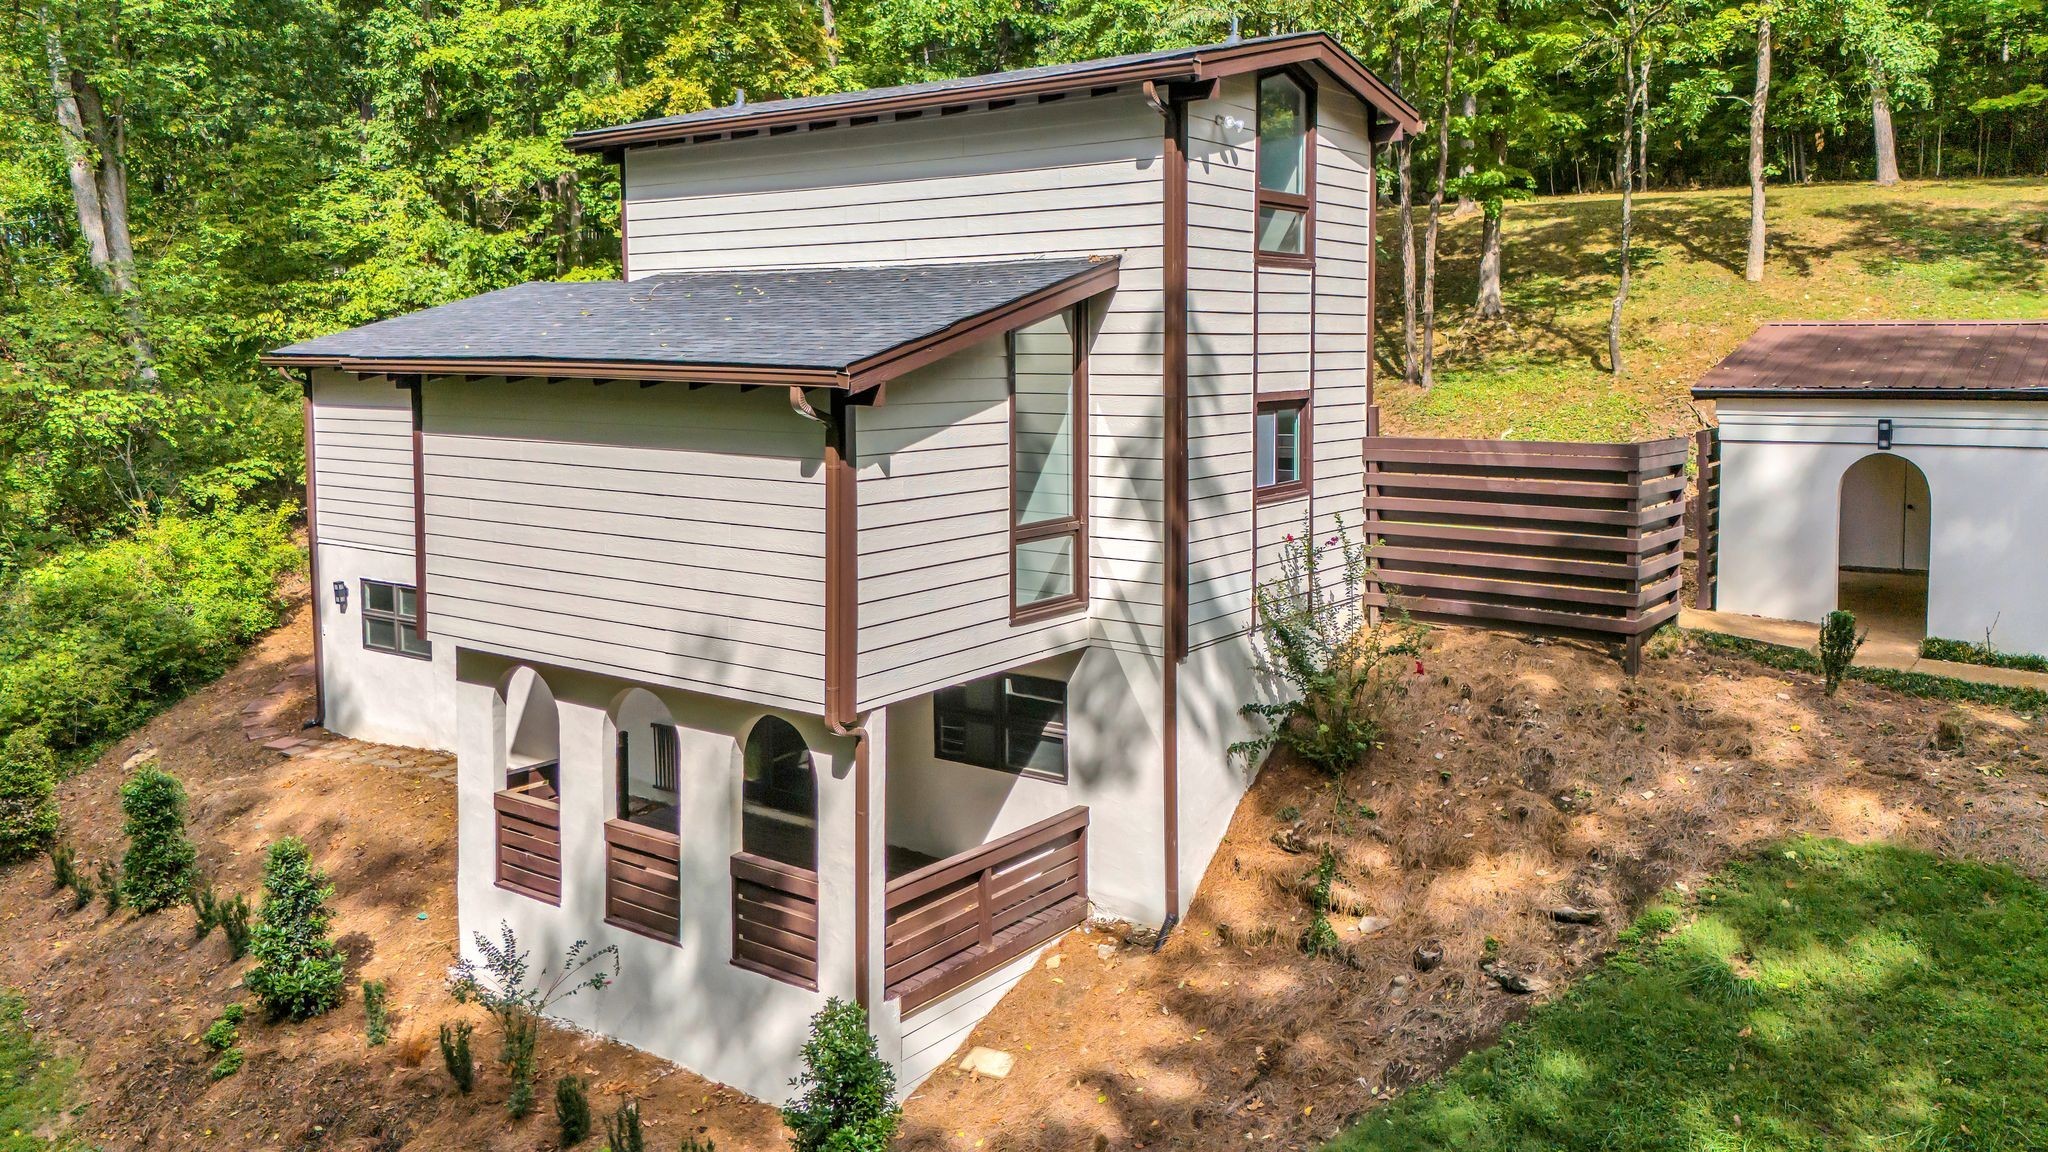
[(842, 622), (1174, 241), (313, 557), (417, 386)]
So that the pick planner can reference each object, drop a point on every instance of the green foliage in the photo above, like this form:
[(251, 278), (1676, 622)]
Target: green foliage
[(230, 915), (844, 1094), (36, 1086), (456, 1056), (376, 1012), (522, 1034), (1338, 671), (157, 872), (225, 1032), (1320, 938), (111, 885), (1837, 648), (230, 1062), (500, 981), (622, 1132), (63, 866), (1829, 995), (28, 796), (572, 1110), (298, 972), (1965, 652), (2029, 701)]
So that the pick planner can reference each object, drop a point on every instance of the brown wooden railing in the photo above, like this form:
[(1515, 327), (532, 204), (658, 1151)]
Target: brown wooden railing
[(951, 922), (1706, 520), (775, 919), (530, 839), (1582, 538), (643, 881)]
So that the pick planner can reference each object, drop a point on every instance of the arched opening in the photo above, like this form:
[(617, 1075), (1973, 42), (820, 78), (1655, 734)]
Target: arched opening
[(533, 732), (647, 764), (528, 805), (779, 796), (1886, 534)]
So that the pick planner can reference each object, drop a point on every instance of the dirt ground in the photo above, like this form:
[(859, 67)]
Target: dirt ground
[(1519, 778)]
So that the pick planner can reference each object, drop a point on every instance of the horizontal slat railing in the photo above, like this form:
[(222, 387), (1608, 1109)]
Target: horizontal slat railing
[(529, 842), (643, 882), (1706, 520), (775, 919), (1584, 538), (958, 919)]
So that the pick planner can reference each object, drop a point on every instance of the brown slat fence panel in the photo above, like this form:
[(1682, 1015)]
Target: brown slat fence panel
[(1580, 538), (953, 921), (643, 884), (775, 919), (1706, 522), (530, 842)]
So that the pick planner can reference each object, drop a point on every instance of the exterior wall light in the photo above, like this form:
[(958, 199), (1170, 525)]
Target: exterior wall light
[(341, 596), (1884, 434)]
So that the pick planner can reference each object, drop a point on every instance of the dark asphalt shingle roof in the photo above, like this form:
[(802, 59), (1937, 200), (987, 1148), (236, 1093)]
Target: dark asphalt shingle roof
[(813, 318), (828, 101), (1993, 359)]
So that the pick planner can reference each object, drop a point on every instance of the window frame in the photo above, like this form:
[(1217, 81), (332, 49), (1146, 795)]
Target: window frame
[(1303, 401), (398, 619), (1305, 202), (1075, 525), (1000, 718)]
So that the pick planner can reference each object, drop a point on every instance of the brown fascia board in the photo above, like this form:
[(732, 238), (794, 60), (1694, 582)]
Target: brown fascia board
[(1224, 60), (1739, 393), (877, 370)]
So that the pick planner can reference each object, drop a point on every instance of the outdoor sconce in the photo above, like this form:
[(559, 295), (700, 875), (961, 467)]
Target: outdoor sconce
[(341, 596), (1884, 434)]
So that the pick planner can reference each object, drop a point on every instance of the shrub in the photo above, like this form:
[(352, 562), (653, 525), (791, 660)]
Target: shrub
[(1312, 619), (572, 1110), (158, 870), (845, 1091), (622, 1130), (1985, 653), (1837, 649), (500, 985), (376, 1013), (82, 890), (455, 1055), (233, 918), (110, 885), (221, 1038), (28, 795), (230, 1062), (522, 1033), (298, 973), (64, 866), (1320, 938)]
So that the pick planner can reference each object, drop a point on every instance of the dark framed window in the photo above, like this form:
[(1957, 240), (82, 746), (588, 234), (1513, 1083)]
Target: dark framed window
[(649, 797), (391, 620), (1287, 168), (1010, 722), (1280, 445), (779, 796), (1048, 366)]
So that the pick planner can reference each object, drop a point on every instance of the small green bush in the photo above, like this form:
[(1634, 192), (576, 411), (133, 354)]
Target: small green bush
[(64, 866), (226, 1030), (28, 795), (111, 885), (376, 1013), (298, 971), (622, 1130), (845, 1092), (522, 1034), (82, 890), (230, 1062), (572, 1110), (158, 870), (230, 915), (1837, 649), (1986, 654), (456, 1056)]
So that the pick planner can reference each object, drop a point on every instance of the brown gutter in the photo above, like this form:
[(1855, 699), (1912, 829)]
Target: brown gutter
[(313, 557), (417, 386), (842, 649), (566, 369), (1174, 369)]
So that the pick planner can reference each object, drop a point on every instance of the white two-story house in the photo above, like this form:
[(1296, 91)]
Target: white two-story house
[(859, 592)]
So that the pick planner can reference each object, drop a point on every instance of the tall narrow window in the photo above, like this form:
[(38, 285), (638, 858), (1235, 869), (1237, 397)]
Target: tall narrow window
[(1286, 167), (1048, 467), (1280, 446)]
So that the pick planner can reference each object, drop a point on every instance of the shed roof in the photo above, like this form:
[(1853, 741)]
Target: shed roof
[(1905, 359), (1167, 66), (821, 327)]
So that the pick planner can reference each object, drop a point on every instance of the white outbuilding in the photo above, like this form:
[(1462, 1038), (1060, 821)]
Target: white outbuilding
[(1899, 467)]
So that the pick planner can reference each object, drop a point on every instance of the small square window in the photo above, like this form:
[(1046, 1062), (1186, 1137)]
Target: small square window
[(1280, 446), (391, 620), (1009, 723)]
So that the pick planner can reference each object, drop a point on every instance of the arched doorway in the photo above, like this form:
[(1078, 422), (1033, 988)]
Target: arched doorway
[(779, 796), (528, 802), (1885, 541), (643, 888), (648, 762), (775, 872)]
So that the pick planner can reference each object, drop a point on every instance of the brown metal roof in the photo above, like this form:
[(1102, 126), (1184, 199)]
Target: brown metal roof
[(1902, 359)]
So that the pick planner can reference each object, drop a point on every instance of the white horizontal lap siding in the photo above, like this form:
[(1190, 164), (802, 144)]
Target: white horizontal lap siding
[(362, 453), (1343, 263), (1221, 280), (658, 534)]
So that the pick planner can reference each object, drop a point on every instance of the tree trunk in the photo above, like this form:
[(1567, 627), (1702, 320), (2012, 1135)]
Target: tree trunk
[(1404, 170), (1489, 304), (110, 140), (1643, 128), (1758, 105), (1436, 205), (831, 24), (1881, 122), (85, 191), (1466, 205), (1628, 116)]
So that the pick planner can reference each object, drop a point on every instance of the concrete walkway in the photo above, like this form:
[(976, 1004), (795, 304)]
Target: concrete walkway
[(1881, 650)]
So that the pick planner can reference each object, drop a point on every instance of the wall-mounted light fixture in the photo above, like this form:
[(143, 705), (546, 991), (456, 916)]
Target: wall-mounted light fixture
[(341, 596), (1884, 434)]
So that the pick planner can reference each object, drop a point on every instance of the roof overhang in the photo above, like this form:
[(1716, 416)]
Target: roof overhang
[(1194, 67), (1705, 392), (1804, 361), (858, 377)]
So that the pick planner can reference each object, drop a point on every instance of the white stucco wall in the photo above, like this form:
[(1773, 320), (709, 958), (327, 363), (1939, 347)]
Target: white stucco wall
[(1986, 464), (372, 695)]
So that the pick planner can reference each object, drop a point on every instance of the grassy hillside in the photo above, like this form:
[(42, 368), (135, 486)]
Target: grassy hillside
[(1924, 250)]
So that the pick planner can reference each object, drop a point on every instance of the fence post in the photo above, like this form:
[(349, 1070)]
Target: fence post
[(1372, 585), (1706, 522)]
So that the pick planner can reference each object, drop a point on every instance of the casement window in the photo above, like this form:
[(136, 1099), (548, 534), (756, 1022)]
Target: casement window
[(1286, 221), (1280, 446), (391, 620), (1048, 368), (1010, 723)]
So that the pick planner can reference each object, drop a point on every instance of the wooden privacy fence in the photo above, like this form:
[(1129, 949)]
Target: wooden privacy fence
[(775, 919), (1578, 538), (530, 839), (643, 879), (1706, 520), (960, 918)]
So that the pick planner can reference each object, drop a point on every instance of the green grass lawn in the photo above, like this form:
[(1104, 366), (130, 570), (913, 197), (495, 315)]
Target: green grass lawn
[(1824, 996), (33, 1086), (1923, 250)]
